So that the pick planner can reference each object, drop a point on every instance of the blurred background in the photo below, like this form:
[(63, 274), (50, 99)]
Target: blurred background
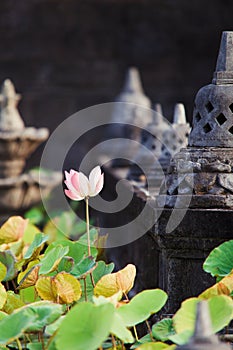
[(65, 55)]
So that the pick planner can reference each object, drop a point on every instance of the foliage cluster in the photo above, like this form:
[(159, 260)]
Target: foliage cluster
[(55, 296)]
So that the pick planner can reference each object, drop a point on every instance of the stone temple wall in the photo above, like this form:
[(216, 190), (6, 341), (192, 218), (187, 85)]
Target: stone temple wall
[(65, 55)]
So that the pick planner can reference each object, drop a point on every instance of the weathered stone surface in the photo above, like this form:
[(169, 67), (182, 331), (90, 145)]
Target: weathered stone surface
[(216, 190), (203, 165), (186, 185), (197, 183), (187, 166), (205, 156), (226, 181), (185, 248), (171, 184), (216, 166), (203, 182), (218, 199)]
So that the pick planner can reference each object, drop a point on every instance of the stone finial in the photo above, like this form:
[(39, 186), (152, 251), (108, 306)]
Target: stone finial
[(203, 337), (133, 82), (135, 105), (175, 137), (203, 327), (158, 108), (157, 115), (213, 109), (224, 66), (10, 119), (147, 157), (179, 114), (131, 111)]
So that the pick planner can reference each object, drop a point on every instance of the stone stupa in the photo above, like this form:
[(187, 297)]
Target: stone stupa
[(19, 191), (197, 201)]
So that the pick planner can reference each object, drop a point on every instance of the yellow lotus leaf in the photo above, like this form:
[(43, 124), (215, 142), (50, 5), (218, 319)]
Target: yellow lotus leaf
[(29, 277), (66, 288), (114, 299), (3, 295), (126, 277), (3, 271), (13, 229), (12, 303), (225, 286), (44, 288), (15, 247), (106, 286), (122, 280)]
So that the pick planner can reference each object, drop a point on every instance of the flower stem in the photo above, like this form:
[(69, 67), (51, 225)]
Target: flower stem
[(135, 332), (88, 227), (85, 288), (92, 280), (18, 343), (150, 331), (113, 342)]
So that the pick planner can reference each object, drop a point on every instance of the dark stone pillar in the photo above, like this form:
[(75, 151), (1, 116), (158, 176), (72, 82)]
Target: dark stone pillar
[(183, 251), (199, 182)]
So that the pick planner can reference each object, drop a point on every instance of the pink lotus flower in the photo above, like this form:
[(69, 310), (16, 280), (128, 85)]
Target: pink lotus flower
[(80, 187)]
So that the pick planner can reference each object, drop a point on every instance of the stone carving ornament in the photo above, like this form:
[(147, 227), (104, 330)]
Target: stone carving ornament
[(204, 168)]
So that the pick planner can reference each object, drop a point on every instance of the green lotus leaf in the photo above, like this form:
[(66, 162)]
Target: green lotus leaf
[(66, 264), (163, 329), (143, 340), (53, 327), (13, 325), (142, 306), (86, 326), (45, 313), (119, 329), (8, 259), (77, 251), (101, 269), (52, 258), (85, 266), (221, 313), (220, 260), (36, 246), (35, 346)]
